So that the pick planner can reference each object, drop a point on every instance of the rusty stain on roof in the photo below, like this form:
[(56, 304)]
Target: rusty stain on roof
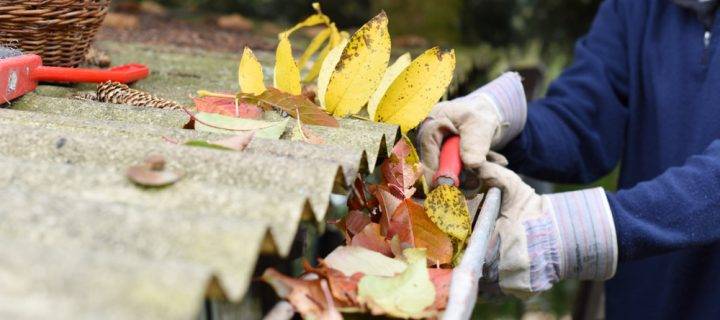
[(78, 240)]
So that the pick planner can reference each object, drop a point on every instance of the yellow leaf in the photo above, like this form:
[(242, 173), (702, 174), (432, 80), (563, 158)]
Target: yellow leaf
[(312, 20), (314, 45), (392, 72), (250, 74), (447, 208), (287, 74), (327, 68), (335, 38), (414, 92), (362, 65)]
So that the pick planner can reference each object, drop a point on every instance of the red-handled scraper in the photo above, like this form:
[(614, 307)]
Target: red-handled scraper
[(20, 74), (446, 204)]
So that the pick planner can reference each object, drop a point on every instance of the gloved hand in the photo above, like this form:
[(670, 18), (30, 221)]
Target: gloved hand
[(540, 240), (487, 118)]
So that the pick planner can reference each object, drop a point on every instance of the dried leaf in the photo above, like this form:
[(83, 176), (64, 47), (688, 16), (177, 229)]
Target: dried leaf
[(371, 238), (392, 72), (359, 196), (447, 208), (414, 92), (250, 74), (230, 107), (306, 296), (362, 65), (211, 122), (387, 203), (412, 225), (351, 260), (237, 143), (355, 221), (287, 73), (343, 288), (441, 279), (152, 173), (309, 112), (405, 295), (304, 134), (326, 70), (400, 176)]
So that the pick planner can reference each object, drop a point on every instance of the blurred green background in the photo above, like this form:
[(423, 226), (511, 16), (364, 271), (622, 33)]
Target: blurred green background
[(536, 36)]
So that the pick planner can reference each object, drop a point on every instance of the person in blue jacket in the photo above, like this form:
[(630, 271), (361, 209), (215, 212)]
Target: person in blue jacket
[(643, 92)]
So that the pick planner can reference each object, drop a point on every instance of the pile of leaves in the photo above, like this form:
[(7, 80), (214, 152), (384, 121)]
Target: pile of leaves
[(397, 260), (337, 75)]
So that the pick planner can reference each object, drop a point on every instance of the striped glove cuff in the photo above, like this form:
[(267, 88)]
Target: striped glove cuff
[(507, 95)]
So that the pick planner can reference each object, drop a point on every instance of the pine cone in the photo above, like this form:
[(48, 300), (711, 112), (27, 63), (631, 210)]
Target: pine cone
[(115, 92)]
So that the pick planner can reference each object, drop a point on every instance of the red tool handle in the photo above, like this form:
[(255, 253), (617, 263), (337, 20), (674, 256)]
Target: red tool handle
[(448, 171), (123, 74)]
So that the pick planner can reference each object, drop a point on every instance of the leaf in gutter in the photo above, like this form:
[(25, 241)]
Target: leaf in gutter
[(441, 279), (211, 122), (250, 73), (307, 296), (413, 227), (414, 92), (228, 107), (362, 65), (350, 260), (309, 113), (406, 295), (392, 72), (371, 238)]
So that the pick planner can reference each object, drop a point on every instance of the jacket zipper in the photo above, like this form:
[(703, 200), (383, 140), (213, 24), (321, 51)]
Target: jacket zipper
[(706, 41)]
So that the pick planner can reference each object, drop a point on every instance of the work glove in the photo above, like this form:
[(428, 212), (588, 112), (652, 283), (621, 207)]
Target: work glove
[(486, 119), (540, 240)]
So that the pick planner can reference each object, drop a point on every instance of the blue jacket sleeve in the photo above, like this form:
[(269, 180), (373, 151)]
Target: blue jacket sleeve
[(575, 134), (678, 209)]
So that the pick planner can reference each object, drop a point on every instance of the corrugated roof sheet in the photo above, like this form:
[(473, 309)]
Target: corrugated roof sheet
[(78, 240)]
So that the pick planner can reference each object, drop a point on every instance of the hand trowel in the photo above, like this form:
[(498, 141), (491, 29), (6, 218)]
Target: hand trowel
[(20, 74), (446, 205)]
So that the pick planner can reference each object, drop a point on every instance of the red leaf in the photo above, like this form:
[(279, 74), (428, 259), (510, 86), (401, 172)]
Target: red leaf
[(371, 238), (296, 106), (412, 225), (355, 221), (441, 278), (400, 176), (387, 204), (227, 107)]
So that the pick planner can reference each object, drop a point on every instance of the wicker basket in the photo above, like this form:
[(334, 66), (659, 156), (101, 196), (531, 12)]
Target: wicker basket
[(60, 31)]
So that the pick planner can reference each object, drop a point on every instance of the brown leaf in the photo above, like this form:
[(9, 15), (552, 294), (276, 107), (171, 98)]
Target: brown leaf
[(356, 221), (441, 278), (400, 176), (227, 107), (387, 204), (371, 238), (152, 173), (360, 197), (412, 225), (343, 288), (306, 296), (237, 142), (298, 107)]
